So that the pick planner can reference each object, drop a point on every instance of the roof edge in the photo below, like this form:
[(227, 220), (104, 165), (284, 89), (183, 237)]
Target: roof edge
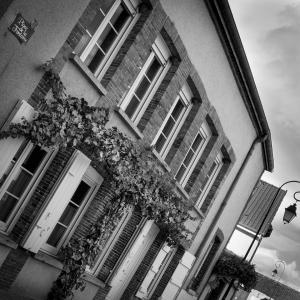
[(225, 25)]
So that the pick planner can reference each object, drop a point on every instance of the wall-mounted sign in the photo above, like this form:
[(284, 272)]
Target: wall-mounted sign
[(21, 29)]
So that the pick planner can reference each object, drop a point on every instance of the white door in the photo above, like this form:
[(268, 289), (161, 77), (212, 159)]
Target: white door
[(132, 260)]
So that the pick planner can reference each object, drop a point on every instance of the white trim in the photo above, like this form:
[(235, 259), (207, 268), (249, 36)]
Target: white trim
[(132, 260), (161, 52), (131, 6), (110, 243), (179, 276), (94, 180), (205, 134), (157, 270), (49, 214), (23, 199), (185, 95), (210, 181)]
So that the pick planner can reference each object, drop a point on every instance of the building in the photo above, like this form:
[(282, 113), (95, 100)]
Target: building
[(175, 75), (252, 217)]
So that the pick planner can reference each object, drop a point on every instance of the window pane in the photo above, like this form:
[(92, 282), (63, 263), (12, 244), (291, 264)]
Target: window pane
[(119, 18), (168, 127), (197, 142), (56, 235), (34, 159), (160, 143), (94, 59), (106, 5), (142, 88), (177, 110), (93, 26), (153, 69), (107, 38), (132, 106), (18, 185), (80, 193), (212, 168), (68, 214), (7, 204), (188, 158), (180, 173)]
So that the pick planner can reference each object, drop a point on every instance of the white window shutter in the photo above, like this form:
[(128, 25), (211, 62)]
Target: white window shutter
[(178, 276), (57, 202), (9, 146)]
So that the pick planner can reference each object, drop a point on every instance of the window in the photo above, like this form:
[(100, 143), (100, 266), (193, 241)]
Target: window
[(209, 179), (17, 179), (159, 265), (146, 83), (105, 34), (72, 212), (193, 155), (182, 270), (111, 241), (173, 122), (206, 262)]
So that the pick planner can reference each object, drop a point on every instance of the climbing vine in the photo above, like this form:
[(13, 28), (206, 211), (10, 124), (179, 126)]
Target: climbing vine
[(63, 121), (232, 267)]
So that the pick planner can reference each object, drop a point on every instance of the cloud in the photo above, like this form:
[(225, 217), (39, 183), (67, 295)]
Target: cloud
[(270, 32), (288, 273)]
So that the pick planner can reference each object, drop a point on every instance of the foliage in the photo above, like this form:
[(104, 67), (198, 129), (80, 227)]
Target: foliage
[(65, 121), (233, 267)]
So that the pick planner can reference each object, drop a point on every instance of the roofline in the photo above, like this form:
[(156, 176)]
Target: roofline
[(225, 25)]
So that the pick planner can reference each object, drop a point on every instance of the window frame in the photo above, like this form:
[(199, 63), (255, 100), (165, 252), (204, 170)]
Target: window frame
[(131, 6), (205, 134), (95, 269), (161, 52), (212, 177), (94, 180), (159, 273), (6, 227), (185, 96)]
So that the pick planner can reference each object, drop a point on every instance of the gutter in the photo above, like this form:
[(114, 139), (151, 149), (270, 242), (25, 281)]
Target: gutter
[(222, 17)]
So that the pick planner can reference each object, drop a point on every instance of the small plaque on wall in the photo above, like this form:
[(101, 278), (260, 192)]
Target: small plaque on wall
[(21, 29)]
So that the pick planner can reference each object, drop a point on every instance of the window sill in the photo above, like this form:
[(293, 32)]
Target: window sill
[(88, 74), (52, 261), (48, 259), (7, 241), (182, 190), (134, 128), (161, 161), (198, 211)]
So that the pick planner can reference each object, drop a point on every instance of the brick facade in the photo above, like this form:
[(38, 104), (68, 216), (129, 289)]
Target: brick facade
[(119, 77)]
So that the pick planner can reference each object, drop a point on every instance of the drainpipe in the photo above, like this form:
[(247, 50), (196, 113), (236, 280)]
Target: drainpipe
[(214, 222)]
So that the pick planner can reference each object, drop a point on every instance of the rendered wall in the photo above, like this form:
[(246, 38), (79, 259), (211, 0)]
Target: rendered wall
[(19, 63)]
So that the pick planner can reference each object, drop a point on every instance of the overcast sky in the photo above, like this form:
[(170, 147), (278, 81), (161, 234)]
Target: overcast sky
[(270, 32)]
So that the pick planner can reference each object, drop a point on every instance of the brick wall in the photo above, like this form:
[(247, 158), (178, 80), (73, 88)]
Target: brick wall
[(11, 267), (117, 80)]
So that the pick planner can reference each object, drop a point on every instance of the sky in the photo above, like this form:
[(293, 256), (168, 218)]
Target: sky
[(270, 32)]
